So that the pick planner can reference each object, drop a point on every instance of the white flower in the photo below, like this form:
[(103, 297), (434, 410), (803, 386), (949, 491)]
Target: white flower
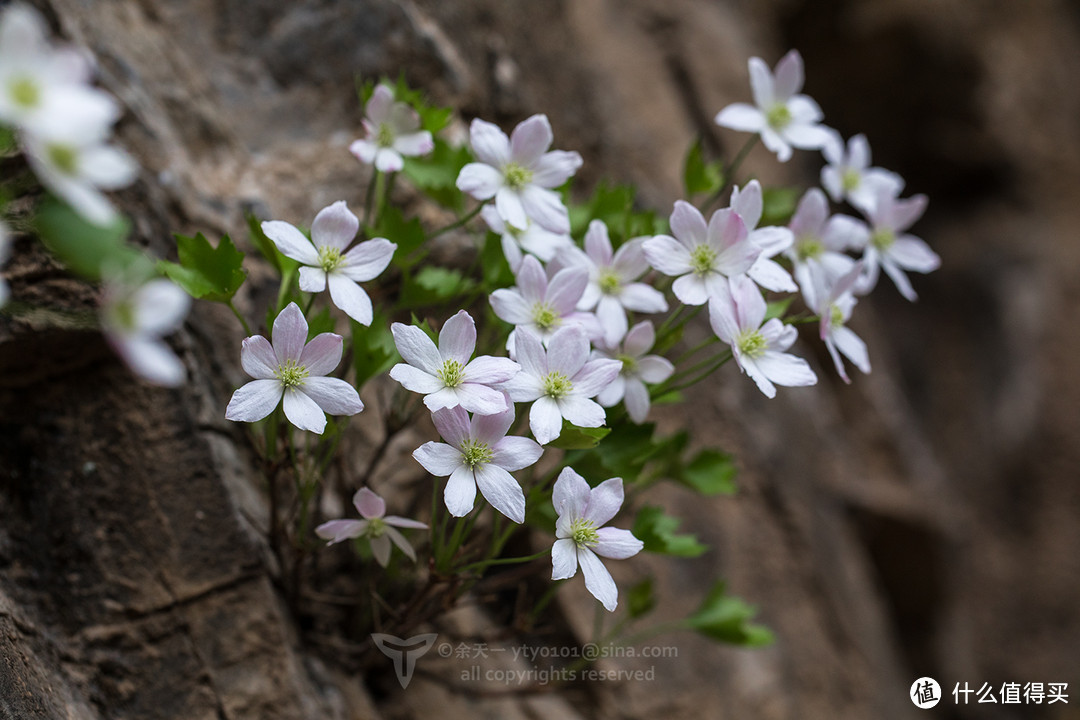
[(583, 511), (294, 370), (783, 117), (446, 375), (393, 130), (817, 254), (767, 273), (518, 173), (377, 527), (134, 319), (736, 318), (326, 261), (834, 309), (889, 248), (702, 257), (534, 240), (44, 90), (543, 306), (849, 175), (637, 369), (5, 250), (611, 289), (560, 380), (479, 455)]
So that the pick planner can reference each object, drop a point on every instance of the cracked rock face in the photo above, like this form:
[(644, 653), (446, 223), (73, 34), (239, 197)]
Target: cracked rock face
[(923, 521)]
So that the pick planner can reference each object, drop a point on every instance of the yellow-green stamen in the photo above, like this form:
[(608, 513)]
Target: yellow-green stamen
[(701, 259), (809, 247), (584, 534), (452, 373), (25, 92), (609, 281), (778, 117), (545, 317), (291, 374), (329, 258), (751, 343), (64, 158), (557, 385), (517, 176), (474, 452), (883, 239)]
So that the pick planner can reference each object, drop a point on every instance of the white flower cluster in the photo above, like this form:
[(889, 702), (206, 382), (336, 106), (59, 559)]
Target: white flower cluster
[(62, 122)]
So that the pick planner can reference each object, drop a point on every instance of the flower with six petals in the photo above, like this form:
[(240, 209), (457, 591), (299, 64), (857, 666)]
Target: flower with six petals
[(393, 130), (637, 369)]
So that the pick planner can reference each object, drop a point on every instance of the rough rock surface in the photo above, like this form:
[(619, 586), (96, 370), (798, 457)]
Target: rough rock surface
[(923, 521)]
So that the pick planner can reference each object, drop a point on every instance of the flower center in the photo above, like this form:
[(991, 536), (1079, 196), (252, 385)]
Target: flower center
[(809, 247), (701, 259), (517, 176), (329, 258), (64, 158), (291, 374), (474, 452), (452, 373), (751, 343), (836, 316), (557, 385), (629, 363), (883, 239), (384, 136), (851, 179), (778, 117), (375, 527), (25, 92), (584, 533), (545, 317), (609, 281)]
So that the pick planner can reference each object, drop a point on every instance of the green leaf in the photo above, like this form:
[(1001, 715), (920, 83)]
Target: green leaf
[(777, 308), (493, 265), (698, 175), (322, 322), (573, 437), (657, 531), (778, 205), (727, 619), (205, 271), (626, 449), (374, 351), (711, 473), (641, 598), (83, 247), (434, 285), (408, 235)]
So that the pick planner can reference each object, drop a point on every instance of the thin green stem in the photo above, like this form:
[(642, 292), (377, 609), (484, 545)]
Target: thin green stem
[(247, 328), (504, 561), (369, 200), (457, 223), (729, 172)]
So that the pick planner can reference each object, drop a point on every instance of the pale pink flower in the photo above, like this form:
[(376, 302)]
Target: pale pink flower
[(637, 369), (559, 381), (393, 130), (780, 114), (817, 254), (518, 172), (326, 262), (766, 272), (294, 371), (612, 289), (378, 527), (701, 257), (888, 247), (542, 306), (581, 535), (478, 454), (447, 375), (834, 309), (736, 318), (134, 318), (849, 175), (534, 240)]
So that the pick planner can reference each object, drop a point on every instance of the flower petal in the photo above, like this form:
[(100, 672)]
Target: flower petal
[(303, 412), (761, 83), (416, 380), (688, 225), (598, 580), (368, 504), (367, 260), (569, 497), (399, 540), (380, 548), (786, 369), (595, 375), (457, 339), (667, 255), (566, 288), (654, 369), (488, 370), (508, 203), (160, 307), (489, 143), (501, 490), (257, 357), (416, 348), (460, 492), (636, 399), (581, 411), (312, 279), (568, 349), (322, 354), (290, 334), (335, 226), (617, 544), (545, 207), (741, 117), (437, 458), (452, 424), (516, 453), (337, 530), (555, 168), (480, 180), (333, 395), (530, 139), (481, 399), (291, 242), (563, 559), (545, 420), (691, 289), (604, 502), (748, 203), (911, 253), (350, 297), (642, 298), (788, 79), (254, 401)]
